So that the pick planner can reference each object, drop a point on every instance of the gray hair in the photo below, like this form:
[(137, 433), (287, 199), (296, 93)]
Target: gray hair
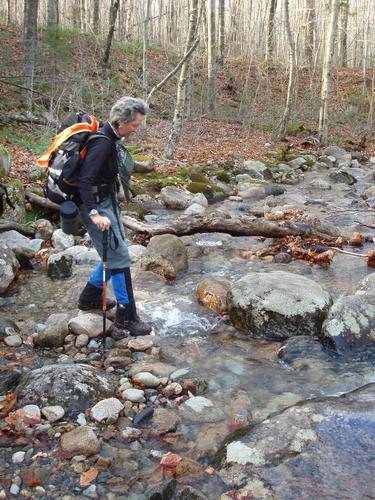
[(126, 109)]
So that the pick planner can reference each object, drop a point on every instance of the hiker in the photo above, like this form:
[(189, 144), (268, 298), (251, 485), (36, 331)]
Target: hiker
[(100, 211)]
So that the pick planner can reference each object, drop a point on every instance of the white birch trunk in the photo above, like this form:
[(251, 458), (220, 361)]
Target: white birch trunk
[(211, 55), (29, 50)]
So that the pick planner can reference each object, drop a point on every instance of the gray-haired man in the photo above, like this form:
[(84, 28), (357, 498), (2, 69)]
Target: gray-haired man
[(100, 211)]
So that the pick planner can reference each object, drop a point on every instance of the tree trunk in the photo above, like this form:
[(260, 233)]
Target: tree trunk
[(270, 33), (292, 75), (220, 59), (95, 20), (9, 14), (146, 21), (211, 55), (175, 134), (30, 35), (343, 50), (53, 13), (112, 22), (83, 16), (310, 32), (326, 72)]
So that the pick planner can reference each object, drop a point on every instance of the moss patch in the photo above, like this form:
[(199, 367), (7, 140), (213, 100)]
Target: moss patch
[(137, 208)]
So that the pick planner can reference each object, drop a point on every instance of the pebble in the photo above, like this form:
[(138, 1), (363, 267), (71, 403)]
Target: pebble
[(172, 390), (13, 341), (82, 340), (53, 413), (80, 441), (198, 403), (131, 433), (93, 345), (90, 491), (32, 412), (134, 395), (14, 489), (40, 490), (106, 410), (146, 379), (81, 419), (18, 457)]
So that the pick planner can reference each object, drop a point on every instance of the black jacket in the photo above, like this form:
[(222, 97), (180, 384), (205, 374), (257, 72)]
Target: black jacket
[(99, 166)]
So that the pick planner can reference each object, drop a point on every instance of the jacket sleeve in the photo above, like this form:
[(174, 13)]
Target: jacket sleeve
[(98, 153)]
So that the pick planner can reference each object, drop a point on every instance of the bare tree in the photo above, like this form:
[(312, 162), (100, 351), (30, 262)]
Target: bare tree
[(221, 44), (53, 13), (343, 46), (270, 32), (30, 33), (211, 54), (95, 20), (146, 21), (326, 71), (175, 134), (310, 32), (107, 50)]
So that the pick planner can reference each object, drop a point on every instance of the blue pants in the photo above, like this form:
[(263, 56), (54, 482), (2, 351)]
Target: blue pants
[(120, 283)]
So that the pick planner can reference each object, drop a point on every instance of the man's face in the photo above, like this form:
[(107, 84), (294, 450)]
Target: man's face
[(127, 129)]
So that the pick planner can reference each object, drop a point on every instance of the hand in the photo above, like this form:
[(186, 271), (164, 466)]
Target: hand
[(103, 223)]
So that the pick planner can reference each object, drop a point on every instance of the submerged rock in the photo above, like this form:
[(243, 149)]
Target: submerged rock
[(278, 305), (59, 266), (80, 441), (165, 255), (212, 293), (73, 386), (322, 448)]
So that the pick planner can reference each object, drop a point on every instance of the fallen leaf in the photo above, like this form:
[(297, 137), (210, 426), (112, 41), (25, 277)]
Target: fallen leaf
[(88, 477), (8, 404), (170, 460)]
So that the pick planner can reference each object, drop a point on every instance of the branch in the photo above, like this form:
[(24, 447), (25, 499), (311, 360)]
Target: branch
[(41, 202), (174, 71), (8, 225)]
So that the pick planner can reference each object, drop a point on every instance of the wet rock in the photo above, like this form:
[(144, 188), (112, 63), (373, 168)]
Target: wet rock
[(55, 332), (368, 193), (278, 305), (134, 395), (9, 380), (200, 409), (173, 390), (59, 266), (176, 197), (9, 266), (90, 324), (17, 242), (212, 293), (190, 493), (162, 491), (141, 343), (43, 229), (13, 341), (73, 386), (274, 190), (341, 176), (282, 258), (190, 380), (146, 379), (61, 240), (164, 421), (106, 410), (320, 184), (53, 413), (18, 457), (80, 441), (256, 169), (209, 439), (131, 433), (195, 209), (252, 193), (82, 255), (350, 324), (165, 255), (143, 415), (158, 369), (321, 438)]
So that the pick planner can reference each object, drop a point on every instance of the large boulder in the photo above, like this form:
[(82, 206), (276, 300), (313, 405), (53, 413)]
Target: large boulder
[(322, 448), (342, 176), (176, 197), (278, 305), (61, 240), (75, 387), (16, 194), (256, 169), (350, 324), (165, 255), (53, 335), (9, 266), (17, 242), (83, 255)]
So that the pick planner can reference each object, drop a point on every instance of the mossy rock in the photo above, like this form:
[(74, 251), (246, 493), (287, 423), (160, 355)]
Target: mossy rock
[(136, 208), (138, 149), (200, 187), (223, 176), (199, 177), (138, 157)]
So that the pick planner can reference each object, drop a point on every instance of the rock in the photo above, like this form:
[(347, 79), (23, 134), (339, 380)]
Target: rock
[(62, 241), (326, 162), (9, 380), (136, 252), (286, 453), (253, 193), (53, 413), (82, 255), (146, 379), (282, 258), (9, 267), (106, 410), (72, 386), (256, 169), (199, 199), (53, 335), (13, 341), (18, 457), (350, 324), (80, 441), (143, 167), (134, 395), (59, 266), (368, 193), (320, 184), (190, 493), (4, 162), (172, 390), (200, 409), (343, 159), (141, 343), (212, 293), (274, 190), (18, 242), (16, 194), (176, 197), (89, 323), (195, 209), (297, 163), (277, 305), (341, 176), (165, 255), (164, 490), (82, 340), (164, 421), (131, 433), (43, 229)]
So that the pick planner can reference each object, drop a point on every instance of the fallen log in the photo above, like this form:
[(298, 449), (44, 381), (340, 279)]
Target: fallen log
[(186, 225), (9, 225), (40, 201)]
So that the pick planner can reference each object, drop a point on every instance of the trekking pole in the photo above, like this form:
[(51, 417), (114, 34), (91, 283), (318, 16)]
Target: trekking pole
[(104, 303)]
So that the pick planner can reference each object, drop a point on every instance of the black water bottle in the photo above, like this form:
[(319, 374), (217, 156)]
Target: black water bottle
[(69, 218)]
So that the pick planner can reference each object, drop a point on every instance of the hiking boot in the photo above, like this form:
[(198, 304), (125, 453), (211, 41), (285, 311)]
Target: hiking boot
[(127, 319), (92, 298)]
